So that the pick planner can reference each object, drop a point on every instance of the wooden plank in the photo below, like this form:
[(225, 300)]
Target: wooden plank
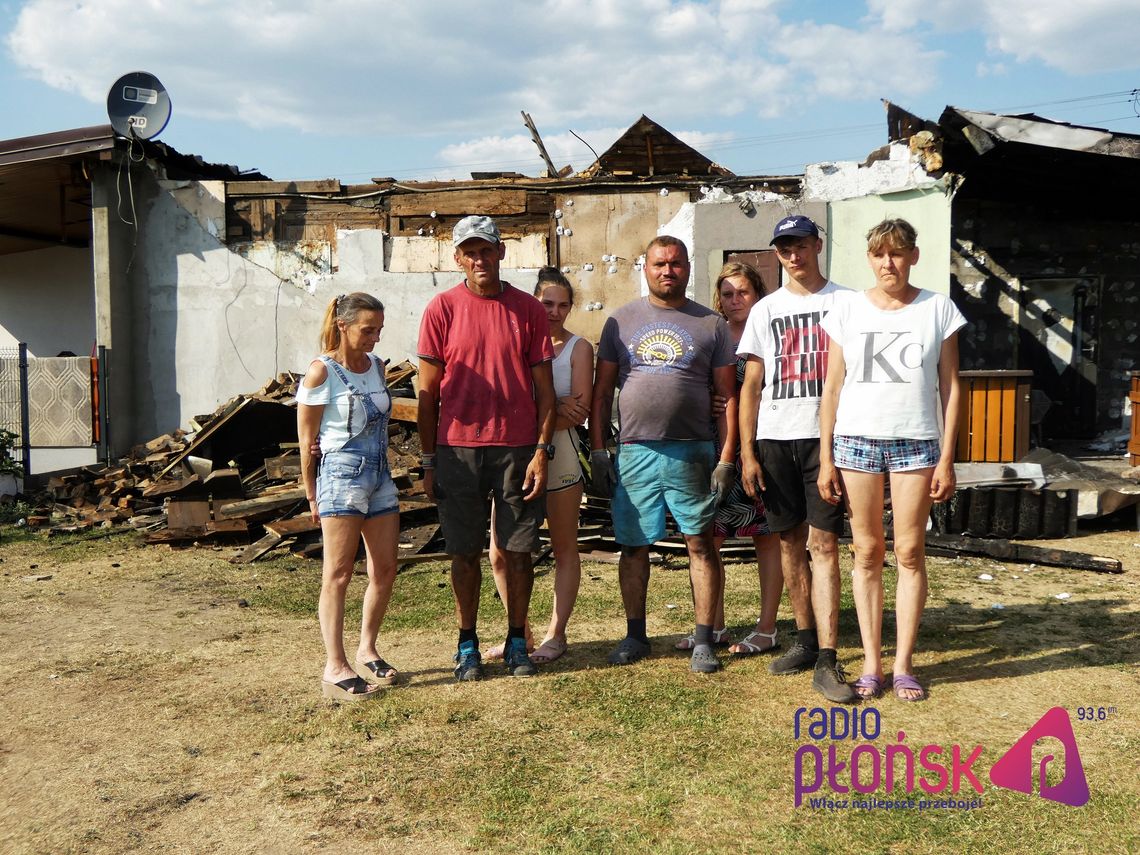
[(993, 420), (300, 524), (1008, 429), (224, 484), (258, 548), (186, 487), (187, 513), (978, 422), (283, 468), (405, 409), (206, 434), (459, 203), (263, 503), (235, 189), (1023, 553), (963, 450)]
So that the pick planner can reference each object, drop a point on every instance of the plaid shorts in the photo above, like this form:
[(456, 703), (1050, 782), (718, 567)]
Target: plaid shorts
[(884, 455)]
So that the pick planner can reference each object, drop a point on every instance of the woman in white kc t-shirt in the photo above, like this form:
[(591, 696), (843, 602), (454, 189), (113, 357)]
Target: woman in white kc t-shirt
[(890, 397)]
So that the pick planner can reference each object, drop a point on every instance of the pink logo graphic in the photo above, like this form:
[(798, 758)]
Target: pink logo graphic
[(1014, 771)]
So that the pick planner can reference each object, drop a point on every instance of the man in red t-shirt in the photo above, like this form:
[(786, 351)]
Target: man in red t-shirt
[(486, 418)]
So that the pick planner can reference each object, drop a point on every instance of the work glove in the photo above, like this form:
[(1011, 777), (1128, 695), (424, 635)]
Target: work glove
[(603, 478), (722, 480)]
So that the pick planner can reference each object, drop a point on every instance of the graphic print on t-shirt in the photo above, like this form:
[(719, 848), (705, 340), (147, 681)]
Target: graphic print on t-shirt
[(887, 355), (801, 356), (661, 348)]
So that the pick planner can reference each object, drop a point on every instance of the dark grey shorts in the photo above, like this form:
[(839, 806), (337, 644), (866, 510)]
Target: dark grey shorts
[(791, 495), (465, 478)]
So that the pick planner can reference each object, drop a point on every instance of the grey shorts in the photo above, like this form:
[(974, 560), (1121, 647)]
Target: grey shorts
[(791, 495), (465, 478)]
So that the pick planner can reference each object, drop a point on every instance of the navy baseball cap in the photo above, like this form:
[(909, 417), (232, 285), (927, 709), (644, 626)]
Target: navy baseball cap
[(797, 225)]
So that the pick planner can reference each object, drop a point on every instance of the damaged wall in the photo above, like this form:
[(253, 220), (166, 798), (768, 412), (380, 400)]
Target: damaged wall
[(209, 322), (602, 237), (849, 220)]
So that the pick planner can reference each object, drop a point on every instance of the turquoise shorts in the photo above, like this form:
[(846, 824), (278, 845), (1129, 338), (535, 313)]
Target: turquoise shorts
[(653, 477)]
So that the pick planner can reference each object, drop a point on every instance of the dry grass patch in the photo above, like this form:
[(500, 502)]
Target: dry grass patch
[(145, 710)]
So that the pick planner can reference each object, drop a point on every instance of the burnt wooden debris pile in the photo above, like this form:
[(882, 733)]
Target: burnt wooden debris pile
[(235, 479)]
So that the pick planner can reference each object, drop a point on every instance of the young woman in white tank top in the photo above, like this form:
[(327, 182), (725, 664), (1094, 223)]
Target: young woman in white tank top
[(573, 385)]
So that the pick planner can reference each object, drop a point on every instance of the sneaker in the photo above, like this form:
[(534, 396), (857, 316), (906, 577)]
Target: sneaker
[(831, 682), (628, 651), (516, 659), (797, 659), (469, 664)]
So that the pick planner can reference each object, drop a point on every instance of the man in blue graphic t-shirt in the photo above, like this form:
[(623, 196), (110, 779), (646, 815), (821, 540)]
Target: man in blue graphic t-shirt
[(667, 354)]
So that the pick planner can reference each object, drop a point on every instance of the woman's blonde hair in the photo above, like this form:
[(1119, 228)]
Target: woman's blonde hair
[(737, 268), (346, 308), (892, 234)]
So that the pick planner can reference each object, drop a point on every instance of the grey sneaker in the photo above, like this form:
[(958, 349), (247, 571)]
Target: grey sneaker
[(628, 651), (797, 659), (516, 659), (831, 682), (468, 663)]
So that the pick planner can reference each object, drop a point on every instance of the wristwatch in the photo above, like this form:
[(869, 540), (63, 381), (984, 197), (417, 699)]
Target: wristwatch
[(547, 447)]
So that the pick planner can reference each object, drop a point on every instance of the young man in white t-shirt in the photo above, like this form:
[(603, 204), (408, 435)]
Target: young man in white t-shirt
[(779, 407)]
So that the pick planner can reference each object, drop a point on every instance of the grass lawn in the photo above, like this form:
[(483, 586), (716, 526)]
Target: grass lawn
[(147, 709)]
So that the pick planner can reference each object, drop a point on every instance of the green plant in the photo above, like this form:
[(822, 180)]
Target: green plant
[(11, 512), (8, 466)]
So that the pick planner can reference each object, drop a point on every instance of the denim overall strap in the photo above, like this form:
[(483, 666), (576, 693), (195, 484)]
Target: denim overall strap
[(374, 418)]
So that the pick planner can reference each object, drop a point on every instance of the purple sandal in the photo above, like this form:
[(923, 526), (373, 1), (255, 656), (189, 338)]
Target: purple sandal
[(907, 681), (868, 687)]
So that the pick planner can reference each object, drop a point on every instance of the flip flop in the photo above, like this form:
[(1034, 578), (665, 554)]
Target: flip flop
[(548, 651), (904, 682), (720, 638), (869, 686), (351, 689), (379, 672), (749, 647)]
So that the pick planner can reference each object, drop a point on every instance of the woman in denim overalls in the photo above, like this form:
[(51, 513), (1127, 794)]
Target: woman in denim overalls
[(343, 405)]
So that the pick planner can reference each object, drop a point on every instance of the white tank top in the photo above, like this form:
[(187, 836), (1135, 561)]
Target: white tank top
[(561, 367)]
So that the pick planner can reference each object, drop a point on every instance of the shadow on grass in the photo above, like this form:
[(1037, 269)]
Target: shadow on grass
[(984, 643)]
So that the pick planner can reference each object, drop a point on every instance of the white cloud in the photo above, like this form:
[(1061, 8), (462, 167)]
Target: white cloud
[(1078, 38), (365, 68)]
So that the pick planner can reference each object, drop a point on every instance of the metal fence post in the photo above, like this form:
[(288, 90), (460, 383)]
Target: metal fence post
[(25, 414)]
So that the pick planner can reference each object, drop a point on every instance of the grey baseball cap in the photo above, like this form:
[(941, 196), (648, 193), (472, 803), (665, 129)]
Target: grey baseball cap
[(483, 228)]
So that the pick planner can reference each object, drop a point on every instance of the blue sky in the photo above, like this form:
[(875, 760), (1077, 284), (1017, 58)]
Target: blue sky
[(358, 88)]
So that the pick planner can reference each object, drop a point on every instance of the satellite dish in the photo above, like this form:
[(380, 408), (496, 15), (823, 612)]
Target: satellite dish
[(138, 106)]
